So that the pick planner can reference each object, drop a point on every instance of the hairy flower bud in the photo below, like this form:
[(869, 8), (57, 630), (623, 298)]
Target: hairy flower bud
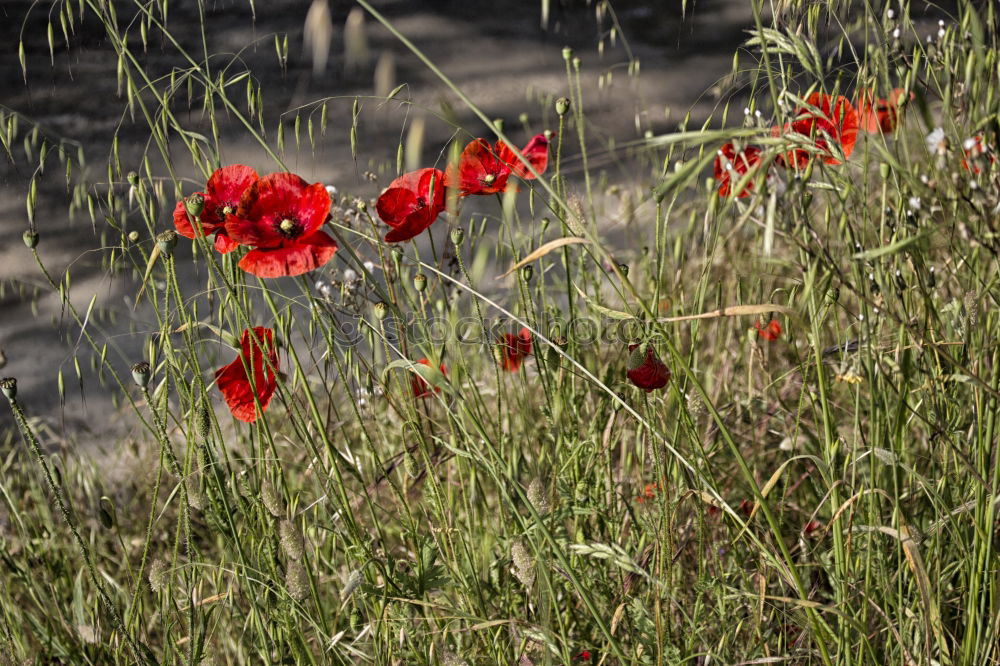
[(420, 282), (30, 239), (457, 236), (166, 241), (562, 106)]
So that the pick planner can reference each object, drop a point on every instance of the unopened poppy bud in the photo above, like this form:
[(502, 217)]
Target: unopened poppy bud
[(133, 236), (166, 241), (133, 178), (381, 308), (420, 282), (562, 106), (522, 118), (140, 374), (457, 236), (30, 239), (567, 53), (544, 224), (9, 387), (883, 170), (498, 123), (527, 272), (194, 204)]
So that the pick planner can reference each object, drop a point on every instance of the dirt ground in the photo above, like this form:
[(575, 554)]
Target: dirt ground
[(497, 52)]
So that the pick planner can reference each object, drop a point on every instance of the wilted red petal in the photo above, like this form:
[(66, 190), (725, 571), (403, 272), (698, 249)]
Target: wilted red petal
[(412, 203), (515, 349), (771, 332), (290, 259), (536, 152), (731, 166), (645, 370), (237, 387), (479, 170), (422, 389)]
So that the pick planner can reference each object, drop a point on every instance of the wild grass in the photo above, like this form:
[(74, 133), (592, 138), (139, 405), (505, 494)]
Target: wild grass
[(827, 497)]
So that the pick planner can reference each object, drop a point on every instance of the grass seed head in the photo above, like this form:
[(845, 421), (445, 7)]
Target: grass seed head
[(292, 541), (296, 580)]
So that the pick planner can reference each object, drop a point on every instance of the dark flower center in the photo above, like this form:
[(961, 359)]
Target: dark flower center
[(288, 226), (222, 211), (421, 203)]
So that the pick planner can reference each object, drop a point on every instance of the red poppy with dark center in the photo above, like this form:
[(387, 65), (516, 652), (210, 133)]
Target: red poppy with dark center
[(645, 370), (832, 119), (243, 391), (880, 114), (421, 389), (411, 203), (485, 169), (514, 349), (280, 215), (583, 656), (222, 195), (731, 166), (771, 332)]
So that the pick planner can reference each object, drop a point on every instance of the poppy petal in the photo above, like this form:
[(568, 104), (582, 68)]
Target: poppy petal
[(236, 385), (536, 152), (230, 182), (290, 259), (223, 243), (479, 171)]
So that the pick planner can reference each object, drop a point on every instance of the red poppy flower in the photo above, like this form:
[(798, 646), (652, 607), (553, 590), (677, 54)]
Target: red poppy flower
[(280, 215), (645, 370), (833, 119), (731, 166), (411, 203), (422, 389), (811, 527), (880, 115), (536, 152), (771, 332), (485, 169), (583, 656), (222, 195), (514, 349), (648, 493), (237, 387), (746, 507), (975, 148)]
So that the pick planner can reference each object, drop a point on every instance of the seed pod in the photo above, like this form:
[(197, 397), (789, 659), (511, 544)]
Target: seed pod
[(159, 575), (272, 499), (30, 239), (194, 204), (457, 236), (562, 106), (204, 419), (166, 241), (420, 282), (140, 374), (537, 497), (296, 580)]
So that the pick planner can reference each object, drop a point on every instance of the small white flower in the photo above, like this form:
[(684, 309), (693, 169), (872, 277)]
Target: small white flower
[(350, 275), (890, 13), (746, 111), (941, 22), (940, 33), (937, 142), (331, 190), (369, 266), (914, 203), (896, 33), (758, 114), (969, 143)]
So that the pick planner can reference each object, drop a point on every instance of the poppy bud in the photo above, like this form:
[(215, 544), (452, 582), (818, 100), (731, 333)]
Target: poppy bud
[(133, 178), (194, 204), (544, 224), (522, 118), (133, 236), (9, 387), (397, 253), (30, 239), (140, 374), (381, 308), (498, 123), (883, 170), (457, 236), (567, 53), (527, 272), (562, 106), (166, 241), (420, 282)]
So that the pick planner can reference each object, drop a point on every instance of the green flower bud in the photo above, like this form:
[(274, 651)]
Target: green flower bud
[(30, 239), (883, 170), (133, 178), (498, 123), (457, 236), (567, 53), (420, 282), (527, 272), (194, 204), (381, 309), (562, 106), (133, 236), (140, 374), (8, 385)]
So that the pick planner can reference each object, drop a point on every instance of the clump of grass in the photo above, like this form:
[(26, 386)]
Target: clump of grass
[(434, 465)]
